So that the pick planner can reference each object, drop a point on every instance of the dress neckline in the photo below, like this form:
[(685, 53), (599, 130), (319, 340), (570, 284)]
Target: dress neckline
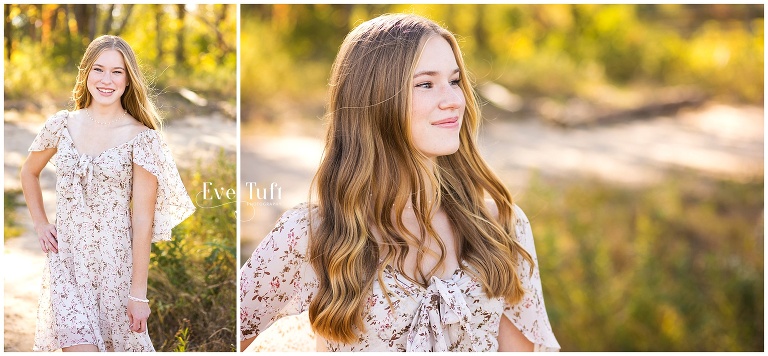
[(457, 275), (74, 145)]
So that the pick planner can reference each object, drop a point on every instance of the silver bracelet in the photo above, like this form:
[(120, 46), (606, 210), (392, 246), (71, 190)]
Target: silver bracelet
[(137, 299)]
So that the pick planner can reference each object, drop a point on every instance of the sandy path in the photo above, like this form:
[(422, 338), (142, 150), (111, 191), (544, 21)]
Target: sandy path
[(190, 139), (715, 140)]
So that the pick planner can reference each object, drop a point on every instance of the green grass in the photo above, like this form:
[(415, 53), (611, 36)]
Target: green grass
[(673, 267), (192, 280), (11, 226)]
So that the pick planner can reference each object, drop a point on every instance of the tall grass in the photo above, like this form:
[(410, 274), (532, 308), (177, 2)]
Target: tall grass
[(11, 225), (673, 267), (192, 279)]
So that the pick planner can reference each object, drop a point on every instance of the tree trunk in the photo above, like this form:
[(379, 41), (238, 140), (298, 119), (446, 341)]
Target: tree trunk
[(49, 25), (7, 31), (158, 32), (222, 44), (93, 12), (106, 26), (481, 37), (81, 18), (69, 42), (126, 18), (180, 60), (85, 18)]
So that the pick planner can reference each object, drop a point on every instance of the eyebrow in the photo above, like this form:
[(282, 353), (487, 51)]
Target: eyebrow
[(102, 66), (432, 72)]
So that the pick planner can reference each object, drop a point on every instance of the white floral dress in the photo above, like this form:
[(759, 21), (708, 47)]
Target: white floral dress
[(85, 286), (451, 314)]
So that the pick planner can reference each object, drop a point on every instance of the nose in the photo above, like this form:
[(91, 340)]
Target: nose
[(452, 97), (106, 77)]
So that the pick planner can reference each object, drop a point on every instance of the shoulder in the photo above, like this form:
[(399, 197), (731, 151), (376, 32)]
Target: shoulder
[(60, 118), (56, 122), (289, 237), (297, 217), (518, 215), (493, 209), (63, 114), (135, 127), (519, 221), (144, 136)]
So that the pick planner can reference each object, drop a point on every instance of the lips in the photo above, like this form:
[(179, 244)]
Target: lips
[(105, 90), (450, 122)]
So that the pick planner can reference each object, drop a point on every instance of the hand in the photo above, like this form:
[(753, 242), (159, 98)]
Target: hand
[(46, 235), (138, 312)]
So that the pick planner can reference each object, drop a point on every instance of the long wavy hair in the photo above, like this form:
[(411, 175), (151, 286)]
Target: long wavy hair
[(135, 99), (371, 168)]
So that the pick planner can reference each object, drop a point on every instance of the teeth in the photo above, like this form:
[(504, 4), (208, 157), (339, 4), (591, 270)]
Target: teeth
[(106, 90)]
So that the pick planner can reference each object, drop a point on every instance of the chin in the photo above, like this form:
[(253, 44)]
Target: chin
[(447, 151)]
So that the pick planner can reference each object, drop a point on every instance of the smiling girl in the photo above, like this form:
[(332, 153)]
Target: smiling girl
[(117, 191), (413, 243)]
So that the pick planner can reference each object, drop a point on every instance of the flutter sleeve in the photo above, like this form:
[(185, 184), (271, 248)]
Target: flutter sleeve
[(49, 135), (530, 314), (277, 280), (173, 204)]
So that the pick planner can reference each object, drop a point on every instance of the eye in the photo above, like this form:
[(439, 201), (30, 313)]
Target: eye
[(425, 85), (117, 72), (456, 82), (97, 69)]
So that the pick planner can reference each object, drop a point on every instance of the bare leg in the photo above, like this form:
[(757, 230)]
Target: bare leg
[(81, 348)]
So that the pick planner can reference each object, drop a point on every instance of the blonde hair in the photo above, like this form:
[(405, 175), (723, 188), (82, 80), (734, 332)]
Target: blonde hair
[(135, 99), (369, 156)]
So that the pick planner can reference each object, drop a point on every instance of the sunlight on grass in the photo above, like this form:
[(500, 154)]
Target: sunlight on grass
[(11, 226), (192, 280), (673, 267)]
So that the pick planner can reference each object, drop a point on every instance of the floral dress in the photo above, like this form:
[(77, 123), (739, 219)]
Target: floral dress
[(84, 295), (452, 314)]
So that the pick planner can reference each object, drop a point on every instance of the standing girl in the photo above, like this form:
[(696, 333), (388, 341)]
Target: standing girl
[(117, 191)]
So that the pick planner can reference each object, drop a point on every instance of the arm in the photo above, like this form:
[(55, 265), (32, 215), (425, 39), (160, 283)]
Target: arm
[(529, 316), (245, 343), (511, 339), (144, 198), (277, 280), (33, 194)]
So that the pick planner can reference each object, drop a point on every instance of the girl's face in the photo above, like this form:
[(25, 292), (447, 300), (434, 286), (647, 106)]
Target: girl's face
[(438, 102), (108, 78)]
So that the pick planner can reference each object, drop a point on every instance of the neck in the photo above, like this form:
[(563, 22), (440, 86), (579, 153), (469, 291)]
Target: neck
[(101, 111)]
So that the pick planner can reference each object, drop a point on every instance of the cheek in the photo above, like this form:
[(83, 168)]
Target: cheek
[(419, 108)]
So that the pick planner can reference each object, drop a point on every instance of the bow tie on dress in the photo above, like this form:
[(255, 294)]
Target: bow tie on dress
[(76, 183), (443, 304)]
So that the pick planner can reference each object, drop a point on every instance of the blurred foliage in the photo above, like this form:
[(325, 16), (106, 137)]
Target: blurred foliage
[(192, 278), (192, 46), (11, 226), (558, 51), (674, 267)]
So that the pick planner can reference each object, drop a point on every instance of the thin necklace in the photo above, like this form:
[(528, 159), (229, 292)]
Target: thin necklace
[(103, 123)]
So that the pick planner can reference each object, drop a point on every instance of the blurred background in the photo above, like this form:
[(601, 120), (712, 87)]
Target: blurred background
[(631, 135), (189, 55)]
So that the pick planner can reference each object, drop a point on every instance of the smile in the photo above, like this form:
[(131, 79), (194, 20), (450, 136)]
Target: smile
[(449, 123), (106, 91)]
